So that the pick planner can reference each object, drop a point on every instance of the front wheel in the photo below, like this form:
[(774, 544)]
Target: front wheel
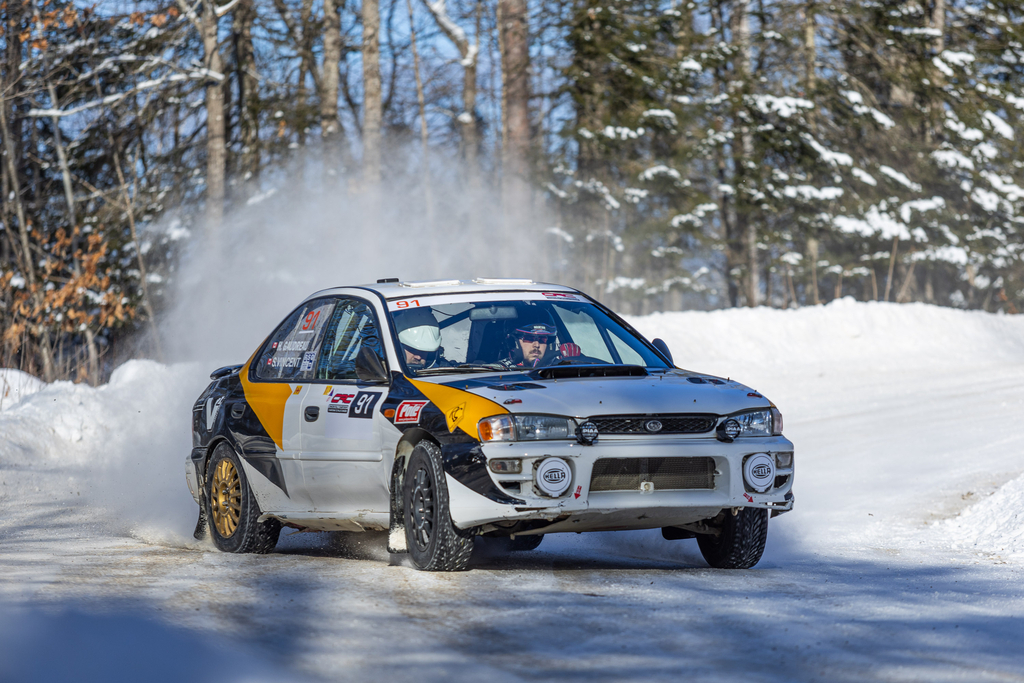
[(231, 508), (740, 542), (435, 545)]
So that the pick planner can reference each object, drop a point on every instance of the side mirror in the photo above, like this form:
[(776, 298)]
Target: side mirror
[(369, 367), (663, 348)]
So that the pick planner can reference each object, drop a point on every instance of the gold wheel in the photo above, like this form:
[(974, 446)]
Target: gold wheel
[(226, 498)]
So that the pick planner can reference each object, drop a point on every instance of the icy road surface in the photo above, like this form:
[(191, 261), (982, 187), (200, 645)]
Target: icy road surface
[(903, 418)]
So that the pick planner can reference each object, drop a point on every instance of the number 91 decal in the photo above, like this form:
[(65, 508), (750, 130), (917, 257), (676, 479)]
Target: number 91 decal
[(363, 404)]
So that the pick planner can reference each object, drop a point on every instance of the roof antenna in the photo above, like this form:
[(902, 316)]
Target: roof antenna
[(385, 280)]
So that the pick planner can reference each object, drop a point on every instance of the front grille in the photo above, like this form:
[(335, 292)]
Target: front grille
[(670, 424), (625, 474)]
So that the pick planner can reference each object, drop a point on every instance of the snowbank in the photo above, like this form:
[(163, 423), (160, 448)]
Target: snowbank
[(121, 446), (16, 385), (874, 336), (993, 526)]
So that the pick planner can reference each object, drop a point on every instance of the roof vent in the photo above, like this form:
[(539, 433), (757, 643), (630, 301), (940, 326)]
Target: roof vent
[(386, 280), (502, 281), (432, 283)]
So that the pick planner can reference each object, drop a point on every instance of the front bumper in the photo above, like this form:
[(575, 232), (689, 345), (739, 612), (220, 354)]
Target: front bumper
[(580, 509)]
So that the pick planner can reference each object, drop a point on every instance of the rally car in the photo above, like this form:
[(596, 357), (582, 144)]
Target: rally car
[(443, 411)]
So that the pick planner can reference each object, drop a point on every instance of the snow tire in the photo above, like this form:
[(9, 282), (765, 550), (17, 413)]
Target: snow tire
[(741, 541), (248, 534), (435, 544)]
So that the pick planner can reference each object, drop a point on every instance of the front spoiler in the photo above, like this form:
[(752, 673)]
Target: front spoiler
[(579, 509)]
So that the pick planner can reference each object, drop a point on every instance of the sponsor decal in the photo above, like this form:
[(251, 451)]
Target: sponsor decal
[(297, 389), (274, 345), (291, 345), (455, 415), (754, 394), (513, 401), (409, 412), (363, 403), (340, 403), (286, 362), (579, 490), (212, 408), (309, 322), (328, 391), (308, 359), (564, 296)]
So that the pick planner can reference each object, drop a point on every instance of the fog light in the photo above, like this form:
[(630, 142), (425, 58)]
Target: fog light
[(553, 476), (587, 433), (728, 430), (784, 459), (759, 472), (506, 466)]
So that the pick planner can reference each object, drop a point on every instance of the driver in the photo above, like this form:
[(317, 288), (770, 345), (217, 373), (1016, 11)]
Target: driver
[(420, 337), (533, 344)]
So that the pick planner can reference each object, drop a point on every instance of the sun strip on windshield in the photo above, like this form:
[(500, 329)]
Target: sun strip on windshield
[(413, 301)]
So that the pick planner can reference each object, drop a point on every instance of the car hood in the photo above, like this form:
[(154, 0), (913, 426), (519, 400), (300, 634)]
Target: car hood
[(658, 393)]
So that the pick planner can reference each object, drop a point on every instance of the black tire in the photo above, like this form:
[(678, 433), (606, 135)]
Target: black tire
[(435, 545), (741, 542), (231, 508)]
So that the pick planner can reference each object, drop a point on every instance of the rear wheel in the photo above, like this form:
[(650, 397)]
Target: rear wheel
[(231, 508), (740, 542), (434, 543)]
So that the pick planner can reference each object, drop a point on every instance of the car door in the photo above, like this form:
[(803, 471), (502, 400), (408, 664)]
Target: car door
[(274, 390), (342, 463)]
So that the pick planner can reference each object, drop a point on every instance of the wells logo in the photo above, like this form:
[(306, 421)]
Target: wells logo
[(455, 416)]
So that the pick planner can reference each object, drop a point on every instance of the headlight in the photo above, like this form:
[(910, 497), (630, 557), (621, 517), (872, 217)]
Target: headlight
[(767, 422), (525, 428)]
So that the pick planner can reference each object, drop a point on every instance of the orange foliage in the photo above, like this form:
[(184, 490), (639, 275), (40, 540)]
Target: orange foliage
[(65, 300)]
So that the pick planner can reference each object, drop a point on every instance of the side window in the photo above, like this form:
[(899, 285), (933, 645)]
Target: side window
[(291, 353), (351, 328), (584, 332)]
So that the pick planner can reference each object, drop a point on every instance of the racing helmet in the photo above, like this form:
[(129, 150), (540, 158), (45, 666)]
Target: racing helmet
[(420, 335)]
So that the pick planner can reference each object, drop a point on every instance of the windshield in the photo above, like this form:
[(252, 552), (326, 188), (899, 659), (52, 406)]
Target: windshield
[(489, 333)]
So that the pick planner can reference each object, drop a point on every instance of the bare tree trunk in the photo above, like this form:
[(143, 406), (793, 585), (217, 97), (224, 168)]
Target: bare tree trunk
[(812, 256), (746, 228), (939, 24), (810, 58), (335, 145), (216, 149), (248, 94), (892, 265), (469, 53), (428, 191), (372, 105), (515, 63)]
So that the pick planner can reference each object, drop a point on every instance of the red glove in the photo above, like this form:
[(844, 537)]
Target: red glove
[(569, 350)]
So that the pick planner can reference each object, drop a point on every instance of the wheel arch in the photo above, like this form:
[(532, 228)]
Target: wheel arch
[(396, 521)]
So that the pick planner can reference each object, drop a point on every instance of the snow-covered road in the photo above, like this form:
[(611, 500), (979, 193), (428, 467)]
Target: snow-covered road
[(903, 417)]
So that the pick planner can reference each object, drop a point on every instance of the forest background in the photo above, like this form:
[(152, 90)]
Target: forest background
[(662, 155)]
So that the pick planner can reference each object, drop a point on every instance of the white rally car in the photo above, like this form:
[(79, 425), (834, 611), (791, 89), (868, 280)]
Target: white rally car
[(442, 411)]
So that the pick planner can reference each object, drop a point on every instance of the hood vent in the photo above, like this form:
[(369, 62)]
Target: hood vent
[(569, 371)]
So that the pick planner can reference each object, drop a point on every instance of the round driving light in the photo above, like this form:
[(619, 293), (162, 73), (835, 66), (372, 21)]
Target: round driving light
[(553, 476), (731, 428), (759, 471), (587, 433)]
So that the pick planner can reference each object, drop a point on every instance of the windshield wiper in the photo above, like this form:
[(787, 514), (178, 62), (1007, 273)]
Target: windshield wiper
[(464, 368)]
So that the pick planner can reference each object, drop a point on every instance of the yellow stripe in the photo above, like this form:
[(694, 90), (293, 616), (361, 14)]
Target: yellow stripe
[(267, 400), (462, 409)]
